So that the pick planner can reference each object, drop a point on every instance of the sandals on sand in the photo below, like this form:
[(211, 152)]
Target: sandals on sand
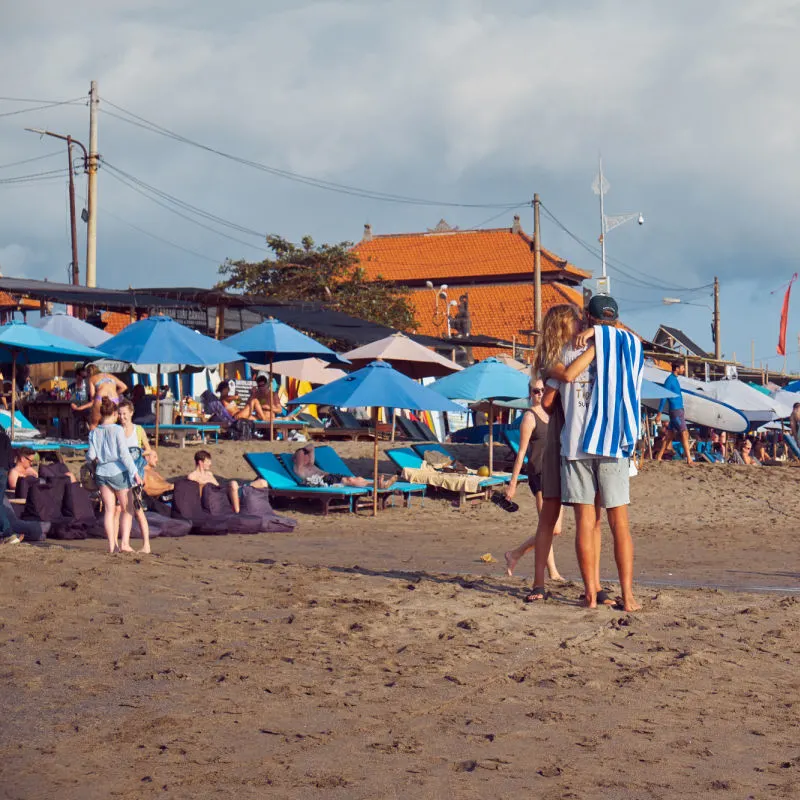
[(536, 595)]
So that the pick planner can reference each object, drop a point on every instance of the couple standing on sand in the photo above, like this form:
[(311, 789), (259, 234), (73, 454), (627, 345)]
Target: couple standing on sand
[(592, 396)]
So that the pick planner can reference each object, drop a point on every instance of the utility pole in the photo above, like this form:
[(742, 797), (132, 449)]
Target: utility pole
[(91, 168), (76, 275), (537, 272), (717, 339)]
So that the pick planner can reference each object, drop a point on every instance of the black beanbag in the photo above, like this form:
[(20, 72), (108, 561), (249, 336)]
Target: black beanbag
[(187, 505), (255, 503), (217, 503)]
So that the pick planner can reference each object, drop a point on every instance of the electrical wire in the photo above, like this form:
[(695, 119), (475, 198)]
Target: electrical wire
[(35, 158), (35, 176), (169, 208), (332, 186), (45, 104)]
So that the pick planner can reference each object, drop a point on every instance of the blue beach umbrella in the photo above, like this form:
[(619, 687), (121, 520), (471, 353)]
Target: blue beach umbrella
[(654, 391), (160, 340), (22, 344), (273, 340), (490, 380), (378, 384)]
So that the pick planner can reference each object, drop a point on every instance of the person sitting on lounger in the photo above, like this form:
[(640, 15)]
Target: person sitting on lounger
[(261, 397), (312, 475), (23, 467), (203, 474), (231, 404)]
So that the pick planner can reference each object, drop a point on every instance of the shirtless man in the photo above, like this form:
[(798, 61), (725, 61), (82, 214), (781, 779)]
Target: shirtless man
[(23, 467), (202, 474), (261, 397), (155, 485)]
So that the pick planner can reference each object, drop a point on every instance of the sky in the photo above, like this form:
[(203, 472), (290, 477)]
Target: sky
[(468, 105)]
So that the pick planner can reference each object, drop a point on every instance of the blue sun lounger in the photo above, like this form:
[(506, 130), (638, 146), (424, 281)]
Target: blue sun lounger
[(284, 483), (511, 437), (421, 449), (326, 458)]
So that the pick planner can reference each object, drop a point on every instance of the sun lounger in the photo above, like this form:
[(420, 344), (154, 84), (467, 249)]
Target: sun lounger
[(326, 458), (511, 437), (52, 445), (284, 483), (421, 449), (188, 429), (415, 431), (468, 487), (791, 443)]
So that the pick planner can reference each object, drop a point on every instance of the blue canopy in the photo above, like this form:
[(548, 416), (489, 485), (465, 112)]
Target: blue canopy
[(377, 384), (273, 340), (794, 386), (72, 329), (161, 340), (489, 379), (23, 344)]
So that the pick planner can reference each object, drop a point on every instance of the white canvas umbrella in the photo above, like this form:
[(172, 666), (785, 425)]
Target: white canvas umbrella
[(405, 355)]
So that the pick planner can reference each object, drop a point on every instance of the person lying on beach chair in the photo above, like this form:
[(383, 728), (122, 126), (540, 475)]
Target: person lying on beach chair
[(312, 475), (203, 474)]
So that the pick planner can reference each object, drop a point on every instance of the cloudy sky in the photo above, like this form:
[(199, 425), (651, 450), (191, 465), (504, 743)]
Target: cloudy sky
[(470, 105)]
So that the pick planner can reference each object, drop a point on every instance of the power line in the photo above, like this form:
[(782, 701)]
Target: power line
[(35, 176), (318, 183), (35, 158), (169, 208), (45, 104)]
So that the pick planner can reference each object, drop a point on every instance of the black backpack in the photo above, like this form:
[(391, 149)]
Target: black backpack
[(243, 430)]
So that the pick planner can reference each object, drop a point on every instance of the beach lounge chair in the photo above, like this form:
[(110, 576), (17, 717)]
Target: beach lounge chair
[(284, 483), (326, 458), (791, 443), (421, 449), (511, 438), (406, 458), (415, 431)]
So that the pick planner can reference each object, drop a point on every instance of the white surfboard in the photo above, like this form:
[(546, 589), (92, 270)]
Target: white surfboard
[(703, 410)]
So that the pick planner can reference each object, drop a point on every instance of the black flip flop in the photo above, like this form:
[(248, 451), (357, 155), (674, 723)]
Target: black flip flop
[(504, 503), (537, 590)]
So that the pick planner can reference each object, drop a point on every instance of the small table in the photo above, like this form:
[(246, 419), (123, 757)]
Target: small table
[(53, 417)]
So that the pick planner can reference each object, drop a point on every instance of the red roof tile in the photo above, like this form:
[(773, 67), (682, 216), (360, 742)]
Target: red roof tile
[(448, 255)]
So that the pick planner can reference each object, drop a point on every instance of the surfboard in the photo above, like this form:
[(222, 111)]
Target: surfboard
[(703, 410)]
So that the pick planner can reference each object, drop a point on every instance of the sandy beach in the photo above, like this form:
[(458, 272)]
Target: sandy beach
[(381, 658)]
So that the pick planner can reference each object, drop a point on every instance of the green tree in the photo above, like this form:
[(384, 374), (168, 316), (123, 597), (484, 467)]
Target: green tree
[(327, 273)]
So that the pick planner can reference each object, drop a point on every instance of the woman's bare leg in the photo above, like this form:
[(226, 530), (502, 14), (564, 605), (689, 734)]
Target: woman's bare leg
[(145, 528), (125, 520), (109, 517), (551, 508)]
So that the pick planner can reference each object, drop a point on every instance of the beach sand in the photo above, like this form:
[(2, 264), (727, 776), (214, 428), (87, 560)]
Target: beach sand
[(381, 658)]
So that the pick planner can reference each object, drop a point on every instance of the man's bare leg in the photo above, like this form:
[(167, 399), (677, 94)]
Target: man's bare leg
[(585, 519), (685, 442), (233, 493), (623, 554)]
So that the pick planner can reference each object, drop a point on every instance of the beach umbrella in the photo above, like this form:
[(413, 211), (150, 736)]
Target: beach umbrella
[(72, 329), (757, 407), (158, 341), (273, 340), (490, 380), (376, 385), (405, 355), (311, 370), (23, 344)]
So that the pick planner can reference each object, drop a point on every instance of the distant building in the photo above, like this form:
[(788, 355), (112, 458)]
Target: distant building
[(675, 339), (471, 282)]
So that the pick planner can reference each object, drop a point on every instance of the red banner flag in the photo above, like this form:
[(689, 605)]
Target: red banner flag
[(785, 318)]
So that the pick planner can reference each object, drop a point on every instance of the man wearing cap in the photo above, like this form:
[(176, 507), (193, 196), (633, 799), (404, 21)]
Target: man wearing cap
[(677, 417), (587, 477)]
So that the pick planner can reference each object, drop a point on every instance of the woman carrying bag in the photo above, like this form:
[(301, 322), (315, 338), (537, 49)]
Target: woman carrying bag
[(115, 475)]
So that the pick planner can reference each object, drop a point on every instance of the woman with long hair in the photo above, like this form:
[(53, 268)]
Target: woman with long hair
[(115, 474), (560, 327), (139, 448), (532, 438)]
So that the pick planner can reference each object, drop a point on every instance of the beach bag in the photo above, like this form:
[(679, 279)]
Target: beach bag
[(217, 504), (243, 430), (255, 503), (87, 476)]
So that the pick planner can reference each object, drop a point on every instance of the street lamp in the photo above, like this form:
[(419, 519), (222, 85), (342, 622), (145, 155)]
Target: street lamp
[(76, 277), (441, 294), (607, 223)]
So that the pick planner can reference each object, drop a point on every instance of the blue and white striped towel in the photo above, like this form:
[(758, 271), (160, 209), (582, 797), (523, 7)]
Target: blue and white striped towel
[(613, 421)]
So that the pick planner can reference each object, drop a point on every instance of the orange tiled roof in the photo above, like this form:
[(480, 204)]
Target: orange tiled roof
[(8, 302), (499, 310), (447, 255)]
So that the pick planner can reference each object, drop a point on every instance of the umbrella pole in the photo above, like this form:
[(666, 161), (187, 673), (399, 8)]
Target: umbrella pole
[(13, 392), (158, 403), (271, 413), (180, 398), (375, 463), (394, 422), (491, 437)]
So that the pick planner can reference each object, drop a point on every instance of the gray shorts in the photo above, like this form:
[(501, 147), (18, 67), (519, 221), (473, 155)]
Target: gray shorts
[(581, 480)]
